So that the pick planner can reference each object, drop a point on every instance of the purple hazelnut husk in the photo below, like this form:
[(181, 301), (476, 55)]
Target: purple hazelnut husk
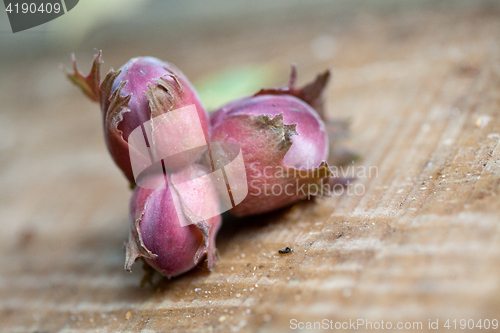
[(286, 139), (142, 89), (162, 227)]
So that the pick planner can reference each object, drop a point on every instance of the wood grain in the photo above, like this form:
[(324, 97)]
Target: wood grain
[(419, 241)]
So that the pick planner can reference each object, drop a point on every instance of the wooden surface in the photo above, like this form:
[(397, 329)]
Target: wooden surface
[(421, 242)]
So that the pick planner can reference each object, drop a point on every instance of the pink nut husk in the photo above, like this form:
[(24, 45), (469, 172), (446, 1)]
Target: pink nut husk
[(285, 144), (162, 231), (142, 89)]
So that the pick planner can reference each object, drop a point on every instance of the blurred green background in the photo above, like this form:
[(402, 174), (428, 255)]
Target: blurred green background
[(200, 37)]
